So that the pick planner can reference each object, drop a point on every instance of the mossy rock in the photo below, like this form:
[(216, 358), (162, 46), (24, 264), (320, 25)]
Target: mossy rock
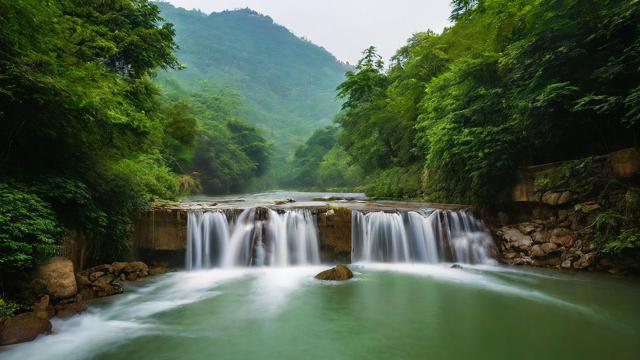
[(578, 176)]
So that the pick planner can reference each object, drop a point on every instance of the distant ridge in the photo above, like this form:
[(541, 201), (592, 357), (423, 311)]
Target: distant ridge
[(287, 83)]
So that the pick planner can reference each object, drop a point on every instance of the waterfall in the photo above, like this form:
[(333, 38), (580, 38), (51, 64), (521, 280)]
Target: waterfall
[(254, 238), (425, 236)]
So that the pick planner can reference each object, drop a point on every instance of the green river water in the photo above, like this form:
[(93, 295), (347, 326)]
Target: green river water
[(385, 312)]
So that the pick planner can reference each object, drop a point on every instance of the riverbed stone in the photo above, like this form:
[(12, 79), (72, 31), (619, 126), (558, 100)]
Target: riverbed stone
[(58, 277), (338, 273)]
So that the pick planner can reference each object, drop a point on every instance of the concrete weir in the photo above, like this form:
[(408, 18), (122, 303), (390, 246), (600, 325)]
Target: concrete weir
[(161, 234)]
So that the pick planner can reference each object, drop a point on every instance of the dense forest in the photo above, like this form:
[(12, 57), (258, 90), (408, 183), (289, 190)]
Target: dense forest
[(283, 85), (512, 83), (88, 137)]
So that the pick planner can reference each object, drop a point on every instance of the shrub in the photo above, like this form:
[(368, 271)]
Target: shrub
[(7, 308), (29, 230)]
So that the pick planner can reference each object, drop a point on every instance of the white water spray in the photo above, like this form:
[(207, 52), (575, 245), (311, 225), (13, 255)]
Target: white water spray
[(277, 239), (428, 236)]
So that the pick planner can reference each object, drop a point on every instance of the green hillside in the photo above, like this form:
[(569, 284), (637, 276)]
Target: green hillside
[(286, 84)]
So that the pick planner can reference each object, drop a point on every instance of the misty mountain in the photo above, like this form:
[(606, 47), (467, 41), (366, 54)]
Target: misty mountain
[(286, 84)]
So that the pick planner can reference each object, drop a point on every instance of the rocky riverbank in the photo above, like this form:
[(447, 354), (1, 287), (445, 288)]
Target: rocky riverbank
[(579, 215), (63, 293)]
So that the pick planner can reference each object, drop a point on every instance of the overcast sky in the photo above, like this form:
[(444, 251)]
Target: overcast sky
[(344, 27)]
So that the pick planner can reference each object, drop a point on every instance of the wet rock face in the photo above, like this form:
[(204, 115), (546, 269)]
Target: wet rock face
[(338, 273), (334, 235), (58, 278)]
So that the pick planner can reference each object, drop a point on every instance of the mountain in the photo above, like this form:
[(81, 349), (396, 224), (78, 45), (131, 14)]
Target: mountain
[(286, 84)]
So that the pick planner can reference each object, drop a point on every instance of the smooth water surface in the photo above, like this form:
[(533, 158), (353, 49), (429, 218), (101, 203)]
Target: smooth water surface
[(388, 311)]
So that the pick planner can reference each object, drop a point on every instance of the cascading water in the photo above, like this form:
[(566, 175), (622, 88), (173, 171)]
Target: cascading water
[(427, 236), (258, 238)]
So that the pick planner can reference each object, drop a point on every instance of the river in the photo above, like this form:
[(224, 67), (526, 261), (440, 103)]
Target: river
[(407, 307)]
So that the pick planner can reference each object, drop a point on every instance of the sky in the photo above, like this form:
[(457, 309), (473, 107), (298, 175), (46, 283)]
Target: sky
[(344, 27)]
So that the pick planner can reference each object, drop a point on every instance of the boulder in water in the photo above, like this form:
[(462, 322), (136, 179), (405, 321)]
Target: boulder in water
[(338, 273), (456, 266)]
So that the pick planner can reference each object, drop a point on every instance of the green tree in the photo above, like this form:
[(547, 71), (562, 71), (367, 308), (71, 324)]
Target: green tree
[(29, 230)]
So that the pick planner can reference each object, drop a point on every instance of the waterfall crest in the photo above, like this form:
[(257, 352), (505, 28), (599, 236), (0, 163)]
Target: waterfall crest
[(256, 237), (425, 236)]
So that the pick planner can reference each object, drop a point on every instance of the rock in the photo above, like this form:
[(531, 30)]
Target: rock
[(536, 251), (104, 289), (553, 261), (540, 237), (524, 260), (67, 310), (107, 279), (456, 266), (566, 264), (87, 293), (509, 255), (82, 280), (137, 267), (549, 247), (58, 277), (555, 198), (42, 309), (23, 327), (96, 275), (562, 237), (551, 198), (338, 273), (565, 198), (527, 228), (117, 267), (585, 261), (515, 238)]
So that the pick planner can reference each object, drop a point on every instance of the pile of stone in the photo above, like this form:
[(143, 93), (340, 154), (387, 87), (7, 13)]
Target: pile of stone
[(64, 293), (104, 280), (562, 241)]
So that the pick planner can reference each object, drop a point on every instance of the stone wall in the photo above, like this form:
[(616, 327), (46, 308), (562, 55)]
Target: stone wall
[(551, 220), (545, 183)]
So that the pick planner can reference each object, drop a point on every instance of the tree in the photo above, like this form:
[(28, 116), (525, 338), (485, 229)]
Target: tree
[(460, 8)]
